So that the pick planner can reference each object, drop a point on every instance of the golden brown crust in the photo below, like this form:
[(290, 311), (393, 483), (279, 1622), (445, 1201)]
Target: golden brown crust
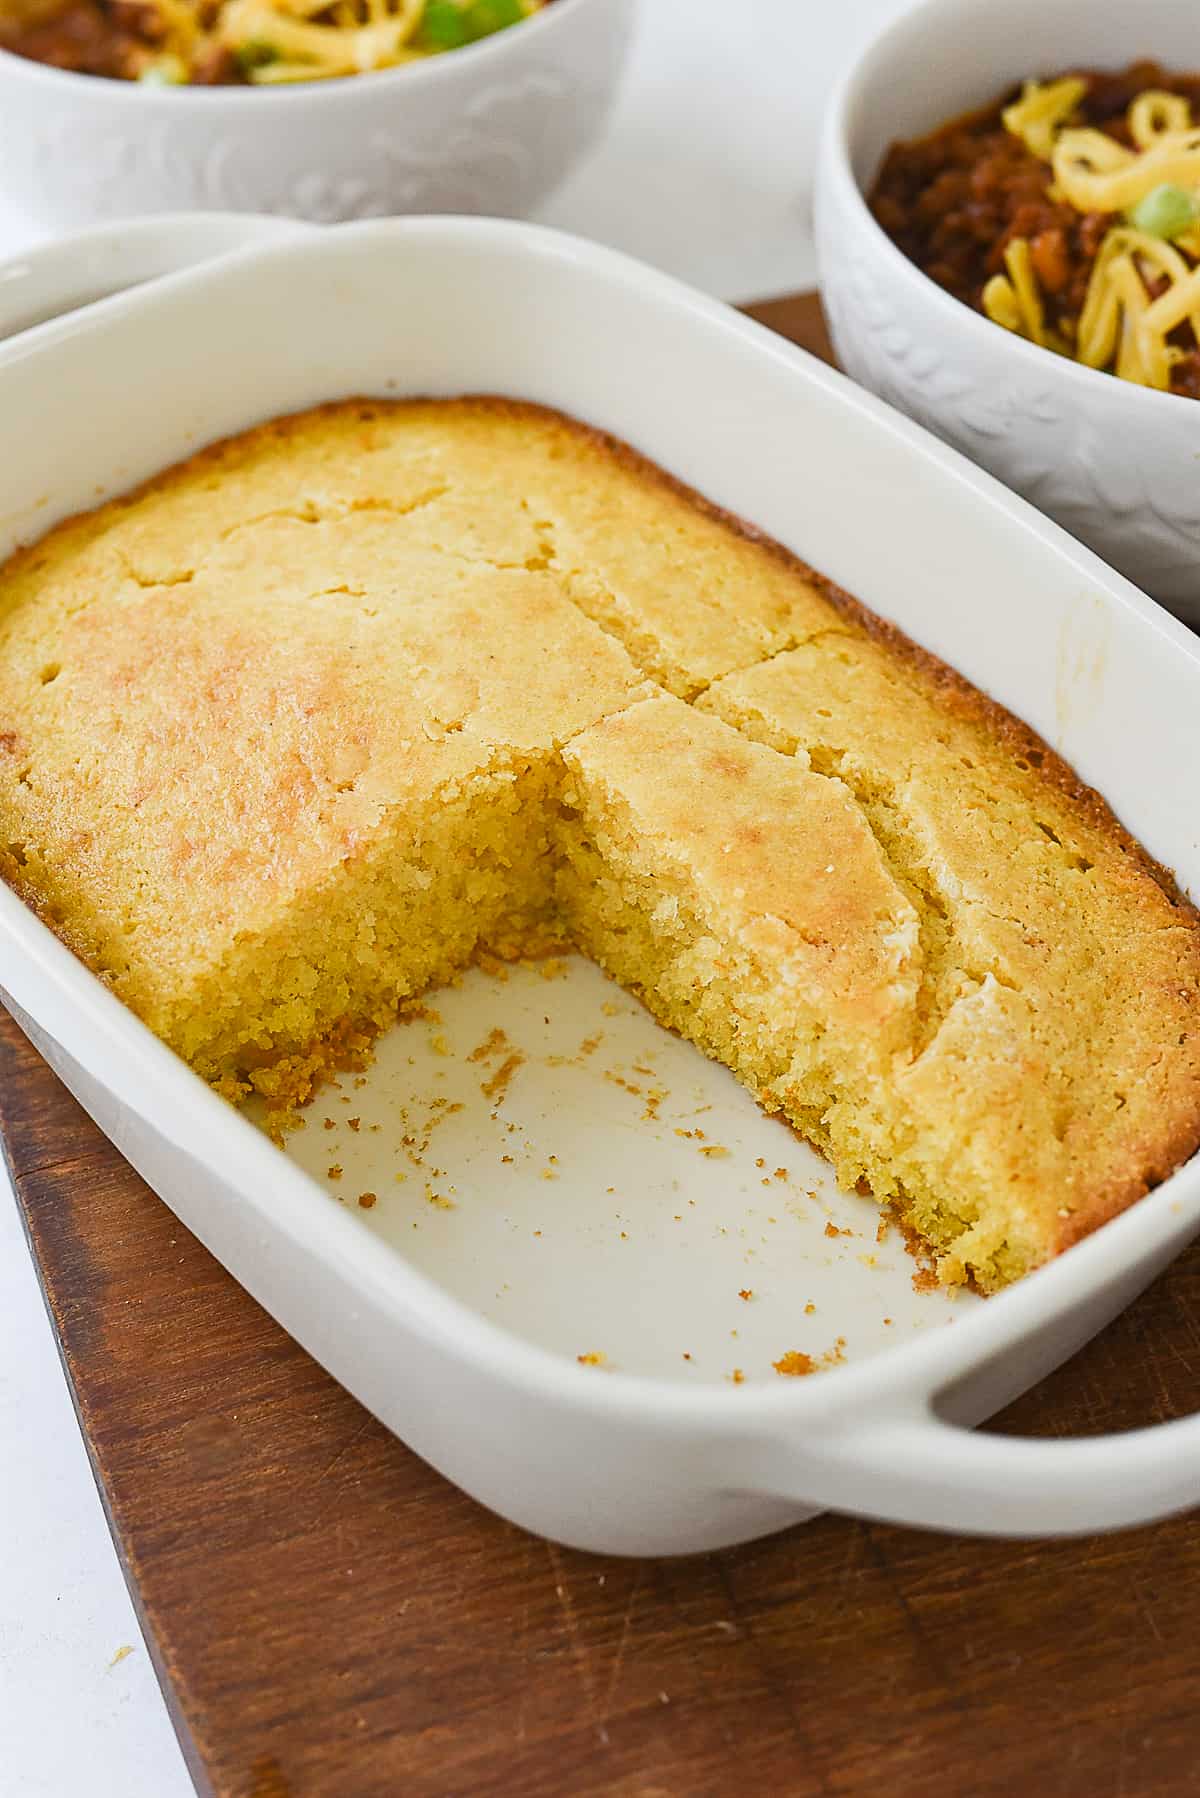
[(1012, 734), (400, 669), (1118, 1188)]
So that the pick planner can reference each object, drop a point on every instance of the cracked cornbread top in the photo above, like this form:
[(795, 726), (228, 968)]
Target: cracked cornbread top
[(292, 732)]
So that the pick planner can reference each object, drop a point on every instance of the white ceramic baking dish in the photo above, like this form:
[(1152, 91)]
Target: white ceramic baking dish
[(652, 1452)]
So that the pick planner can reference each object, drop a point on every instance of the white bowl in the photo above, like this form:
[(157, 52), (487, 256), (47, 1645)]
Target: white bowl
[(656, 1454), (490, 128), (1113, 462)]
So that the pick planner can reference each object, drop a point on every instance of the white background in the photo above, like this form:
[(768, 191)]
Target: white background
[(706, 170)]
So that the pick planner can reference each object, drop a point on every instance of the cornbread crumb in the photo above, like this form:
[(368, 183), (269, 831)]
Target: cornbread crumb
[(496, 1088), (796, 1363), (595, 1359), (418, 1011), (628, 1086), (367, 1199), (492, 965)]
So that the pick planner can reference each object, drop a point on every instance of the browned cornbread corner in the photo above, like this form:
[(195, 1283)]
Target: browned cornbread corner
[(292, 733)]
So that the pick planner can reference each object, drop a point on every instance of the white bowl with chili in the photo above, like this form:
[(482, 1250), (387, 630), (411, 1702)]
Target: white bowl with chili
[(1115, 460), (491, 126)]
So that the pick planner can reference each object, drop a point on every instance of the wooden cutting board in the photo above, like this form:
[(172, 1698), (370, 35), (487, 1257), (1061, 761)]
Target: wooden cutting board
[(330, 1619)]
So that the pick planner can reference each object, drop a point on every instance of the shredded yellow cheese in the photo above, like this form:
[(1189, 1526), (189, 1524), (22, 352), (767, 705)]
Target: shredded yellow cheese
[(301, 49), (1094, 173), (1135, 360), (1041, 110), (1014, 300), (1154, 114), (1123, 324), (1001, 305), (290, 40), (1182, 300)]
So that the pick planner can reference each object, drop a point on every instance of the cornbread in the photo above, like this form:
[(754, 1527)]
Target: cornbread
[(293, 733)]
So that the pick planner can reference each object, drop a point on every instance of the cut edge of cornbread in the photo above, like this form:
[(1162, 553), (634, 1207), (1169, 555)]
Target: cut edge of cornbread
[(685, 929), (408, 916)]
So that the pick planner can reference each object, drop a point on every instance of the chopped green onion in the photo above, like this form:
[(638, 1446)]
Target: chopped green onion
[(254, 54), (1166, 211), (447, 25), (444, 26), (486, 16)]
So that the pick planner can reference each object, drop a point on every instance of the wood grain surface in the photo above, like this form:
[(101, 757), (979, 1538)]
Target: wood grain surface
[(330, 1619)]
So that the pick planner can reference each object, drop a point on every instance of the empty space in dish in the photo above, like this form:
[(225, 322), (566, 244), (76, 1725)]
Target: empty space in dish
[(533, 1141)]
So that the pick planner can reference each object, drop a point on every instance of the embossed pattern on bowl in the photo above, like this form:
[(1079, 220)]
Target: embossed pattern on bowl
[(489, 129)]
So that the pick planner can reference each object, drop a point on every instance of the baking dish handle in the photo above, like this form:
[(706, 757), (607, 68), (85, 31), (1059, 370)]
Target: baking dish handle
[(918, 1468), (45, 283)]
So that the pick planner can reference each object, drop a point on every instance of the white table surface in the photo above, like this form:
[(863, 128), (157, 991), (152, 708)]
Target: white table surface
[(706, 171)]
